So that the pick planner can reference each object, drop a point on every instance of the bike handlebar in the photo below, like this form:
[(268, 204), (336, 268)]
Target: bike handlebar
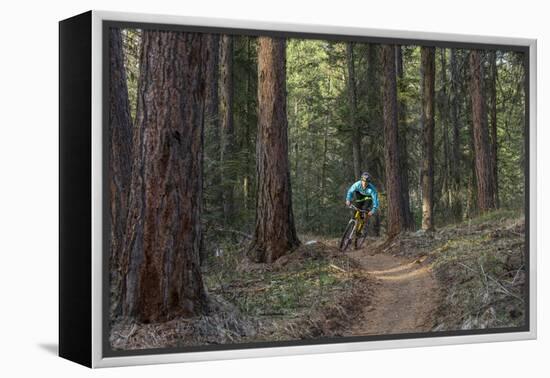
[(357, 209)]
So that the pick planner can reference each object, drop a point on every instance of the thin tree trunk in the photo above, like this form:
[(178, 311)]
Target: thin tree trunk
[(444, 117), (120, 128), (324, 166), (393, 178), (249, 94), (227, 128), (483, 168), (374, 113), (275, 233), (455, 120), (427, 73), (472, 208), (375, 121), (211, 111), (493, 121), (163, 233), (352, 96), (211, 115), (403, 150)]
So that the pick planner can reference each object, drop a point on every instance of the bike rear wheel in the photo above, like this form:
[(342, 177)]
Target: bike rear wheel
[(346, 238)]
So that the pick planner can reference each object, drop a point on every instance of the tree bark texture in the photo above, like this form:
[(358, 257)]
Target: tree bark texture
[(352, 97), (483, 166), (120, 167), (275, 233), (163, 234), (427, 73), (403, 150), (393, 178), (227, 126)]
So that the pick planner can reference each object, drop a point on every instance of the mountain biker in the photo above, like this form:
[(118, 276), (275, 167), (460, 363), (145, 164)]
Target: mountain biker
[(366, 195)]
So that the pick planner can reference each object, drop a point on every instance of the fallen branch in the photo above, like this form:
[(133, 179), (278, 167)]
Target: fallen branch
[(516, 275), (503, 289), (337, 268), (132, 330)]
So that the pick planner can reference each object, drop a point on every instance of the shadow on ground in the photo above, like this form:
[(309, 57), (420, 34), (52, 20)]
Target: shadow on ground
[(50, 348)]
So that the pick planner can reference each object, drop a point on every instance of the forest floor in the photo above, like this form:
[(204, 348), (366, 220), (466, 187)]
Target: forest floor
[(469, 275)]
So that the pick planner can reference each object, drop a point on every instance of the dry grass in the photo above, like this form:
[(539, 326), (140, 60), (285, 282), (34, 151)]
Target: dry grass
[(313, 292), (481, 270), (479, 265), (316, 291)]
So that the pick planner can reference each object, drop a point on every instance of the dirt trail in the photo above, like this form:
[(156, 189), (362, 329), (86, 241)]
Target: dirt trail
[(404, 300)]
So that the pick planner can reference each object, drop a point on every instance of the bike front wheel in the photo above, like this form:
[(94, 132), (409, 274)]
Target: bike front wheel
[(361, 239), (346, 238)]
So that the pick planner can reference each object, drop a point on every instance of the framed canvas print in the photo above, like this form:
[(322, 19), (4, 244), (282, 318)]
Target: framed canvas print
[(235, 189)]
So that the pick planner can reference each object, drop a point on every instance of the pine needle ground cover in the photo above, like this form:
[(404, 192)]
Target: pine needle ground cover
[(315, 291)]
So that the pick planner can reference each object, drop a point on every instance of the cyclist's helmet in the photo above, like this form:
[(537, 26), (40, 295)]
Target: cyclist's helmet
[(366, 176)]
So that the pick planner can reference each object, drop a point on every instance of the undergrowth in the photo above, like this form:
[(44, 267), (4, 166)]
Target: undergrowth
[(481, 271), (315, 291)]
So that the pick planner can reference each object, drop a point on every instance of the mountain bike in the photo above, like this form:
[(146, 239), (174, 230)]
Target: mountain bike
[(356, 229)]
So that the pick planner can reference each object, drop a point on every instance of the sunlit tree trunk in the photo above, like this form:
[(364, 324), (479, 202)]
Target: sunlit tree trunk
[(163, 233), (274, 234)]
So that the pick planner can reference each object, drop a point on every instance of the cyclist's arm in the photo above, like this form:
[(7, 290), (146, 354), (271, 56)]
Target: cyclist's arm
[(349, 195)]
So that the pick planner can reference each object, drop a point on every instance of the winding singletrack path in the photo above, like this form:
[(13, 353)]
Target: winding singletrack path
[(405, 296)]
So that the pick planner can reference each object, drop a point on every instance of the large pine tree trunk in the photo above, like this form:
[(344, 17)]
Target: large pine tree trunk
[(427, 67), (227, 127), (393, 178), (163, 234), (483, 166), (352, 96), (274, 233), (120, 169), (403, 150), (493, 121)]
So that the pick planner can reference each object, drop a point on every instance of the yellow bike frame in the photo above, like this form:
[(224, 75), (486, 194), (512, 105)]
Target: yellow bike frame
[(360, 221)]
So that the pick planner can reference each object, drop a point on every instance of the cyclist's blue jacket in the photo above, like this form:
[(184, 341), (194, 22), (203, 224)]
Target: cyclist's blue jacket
[(369, 192)]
